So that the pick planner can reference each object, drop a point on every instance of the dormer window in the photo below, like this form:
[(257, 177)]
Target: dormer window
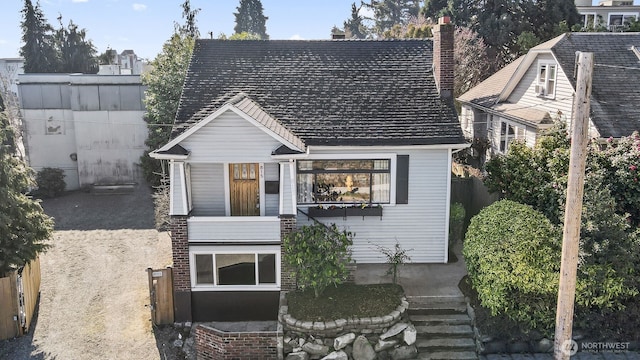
[(546, 84)]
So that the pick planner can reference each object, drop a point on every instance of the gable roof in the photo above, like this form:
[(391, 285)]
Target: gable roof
[(486, 93), (324, 92), (615, 95)]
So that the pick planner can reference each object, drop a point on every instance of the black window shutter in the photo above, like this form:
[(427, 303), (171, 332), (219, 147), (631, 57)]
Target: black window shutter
[(402, 179)]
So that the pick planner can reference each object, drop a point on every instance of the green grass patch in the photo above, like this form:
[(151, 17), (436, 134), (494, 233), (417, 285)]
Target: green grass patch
[(345, 301)]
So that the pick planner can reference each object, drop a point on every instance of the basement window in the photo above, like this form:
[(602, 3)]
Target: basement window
[(235, 270)]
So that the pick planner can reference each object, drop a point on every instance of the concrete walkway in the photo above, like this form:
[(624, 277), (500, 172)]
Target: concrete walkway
[(419, 280)]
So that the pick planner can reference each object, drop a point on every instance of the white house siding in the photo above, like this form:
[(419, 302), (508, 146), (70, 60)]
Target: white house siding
[(230, 139), (271, 172), (234, 229), (419, 226), (525, 95), (177, 196), (207, 189)]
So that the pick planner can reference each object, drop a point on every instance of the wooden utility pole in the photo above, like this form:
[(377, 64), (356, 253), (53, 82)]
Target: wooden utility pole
[(571, 235)]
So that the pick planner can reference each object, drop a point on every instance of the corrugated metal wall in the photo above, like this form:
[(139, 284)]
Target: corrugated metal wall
[(88, 125)]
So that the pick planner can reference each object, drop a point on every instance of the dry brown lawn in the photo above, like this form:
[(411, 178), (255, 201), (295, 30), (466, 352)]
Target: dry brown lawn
[(94, 292)]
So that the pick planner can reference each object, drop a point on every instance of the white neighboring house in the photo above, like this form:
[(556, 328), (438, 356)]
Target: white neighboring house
[(525, 97), (91, 126), (125, 63), (612, 15)]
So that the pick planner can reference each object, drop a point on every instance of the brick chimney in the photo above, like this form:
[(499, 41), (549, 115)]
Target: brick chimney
[(443, 57)]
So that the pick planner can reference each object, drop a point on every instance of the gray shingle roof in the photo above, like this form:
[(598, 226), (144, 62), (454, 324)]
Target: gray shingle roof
[(325, 92), (615, 95)]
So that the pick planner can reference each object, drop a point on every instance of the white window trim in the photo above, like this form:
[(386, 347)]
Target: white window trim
[(392, 157), (515, 136), (213, 250), (546, 80), (624, 14), (595, 19)]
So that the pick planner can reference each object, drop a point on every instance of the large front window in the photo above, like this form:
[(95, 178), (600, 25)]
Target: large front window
[(344, 181), (240, 269)]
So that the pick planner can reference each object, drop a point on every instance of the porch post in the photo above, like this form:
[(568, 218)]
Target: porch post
[(181, 272)]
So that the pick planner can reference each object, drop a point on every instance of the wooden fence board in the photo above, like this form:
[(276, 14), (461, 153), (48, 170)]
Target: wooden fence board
[(161, 295), (10, 318), (8, 308), (31, 286)]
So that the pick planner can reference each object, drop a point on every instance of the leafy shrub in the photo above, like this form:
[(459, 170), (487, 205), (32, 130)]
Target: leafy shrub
[(319, 254), (538, 176), (50, 182), (395, 257), (513, 259)]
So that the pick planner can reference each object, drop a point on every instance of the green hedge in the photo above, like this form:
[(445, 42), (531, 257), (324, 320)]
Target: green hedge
[(513, 258)]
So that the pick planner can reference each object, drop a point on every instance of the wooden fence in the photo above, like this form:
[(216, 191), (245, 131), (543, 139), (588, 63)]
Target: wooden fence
[(161, 295), (18, 300), (472, 194)]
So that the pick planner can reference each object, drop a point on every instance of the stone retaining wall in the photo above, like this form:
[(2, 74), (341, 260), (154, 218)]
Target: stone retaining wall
[(391, 334), (214, 344)]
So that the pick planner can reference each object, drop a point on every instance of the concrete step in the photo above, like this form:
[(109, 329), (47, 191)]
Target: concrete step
[(447, 355), (445, 345), (436, 306), (445, 319), (445, 331)]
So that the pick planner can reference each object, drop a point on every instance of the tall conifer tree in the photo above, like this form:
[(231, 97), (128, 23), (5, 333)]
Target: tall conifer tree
[(37, 34), (250, 19), (24, 227)]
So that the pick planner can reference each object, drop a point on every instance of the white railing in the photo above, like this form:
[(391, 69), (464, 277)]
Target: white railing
[(234, 229)]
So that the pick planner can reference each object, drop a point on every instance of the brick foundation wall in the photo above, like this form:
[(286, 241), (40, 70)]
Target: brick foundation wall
[(214, 344), (181, 272), (180, 250), (287, 273)]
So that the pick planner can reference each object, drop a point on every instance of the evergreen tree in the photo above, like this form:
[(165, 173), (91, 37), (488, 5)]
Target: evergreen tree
[(354, 27), (189, 28), (24, 227), (434, 8), (77, 54), (387, 13), (250, 19), (38, 50), (548, 16)]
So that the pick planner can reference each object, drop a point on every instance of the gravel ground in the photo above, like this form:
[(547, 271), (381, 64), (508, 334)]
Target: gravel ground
[(94, 293)]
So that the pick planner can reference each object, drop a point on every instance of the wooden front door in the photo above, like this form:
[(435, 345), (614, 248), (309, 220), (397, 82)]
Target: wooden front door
[(244, 189)]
